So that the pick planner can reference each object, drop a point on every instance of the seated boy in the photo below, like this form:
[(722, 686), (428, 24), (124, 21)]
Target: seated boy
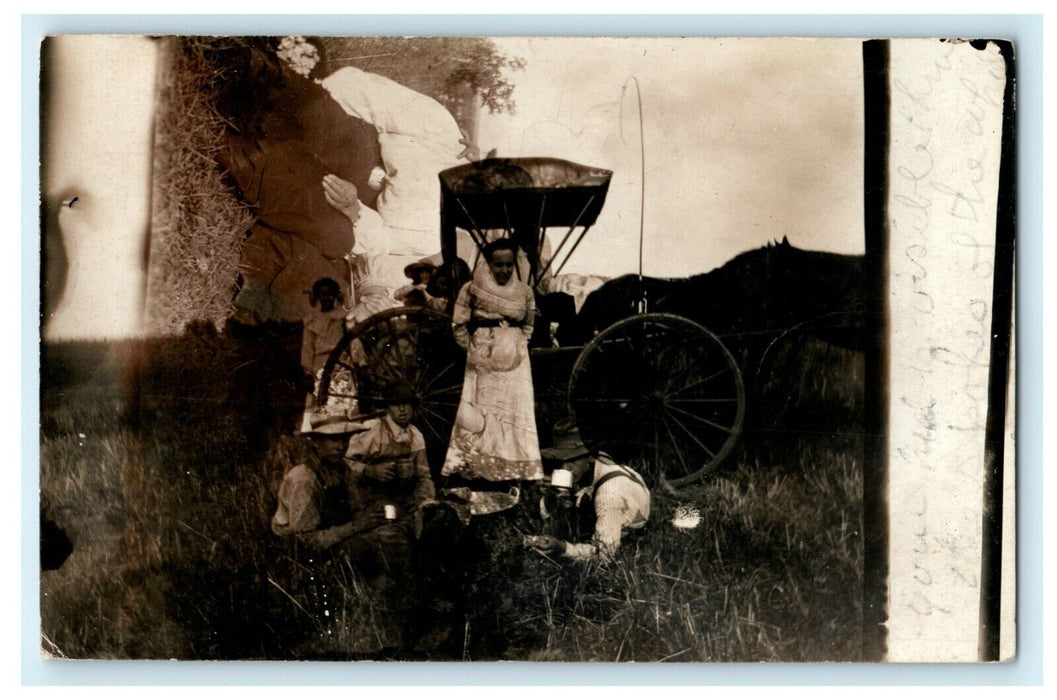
[(389, 483), (388, 473), (313, 497)]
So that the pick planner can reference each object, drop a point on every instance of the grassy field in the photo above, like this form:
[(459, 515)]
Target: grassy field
[(161, 458)]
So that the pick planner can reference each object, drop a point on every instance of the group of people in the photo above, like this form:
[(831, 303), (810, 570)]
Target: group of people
[(367, 492), (341, 173), (330, 316)]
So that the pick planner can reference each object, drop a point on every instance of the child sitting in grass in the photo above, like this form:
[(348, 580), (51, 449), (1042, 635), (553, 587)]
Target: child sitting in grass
[(313, 498), (387, 465), (389, 486)]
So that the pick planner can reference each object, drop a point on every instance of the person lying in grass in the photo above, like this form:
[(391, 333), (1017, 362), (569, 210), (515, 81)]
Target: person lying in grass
[(620, 497)]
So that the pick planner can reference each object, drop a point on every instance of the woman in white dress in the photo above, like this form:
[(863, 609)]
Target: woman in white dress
[(494, 437)]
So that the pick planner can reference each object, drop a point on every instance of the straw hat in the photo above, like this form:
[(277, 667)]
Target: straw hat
[(331, 426), (411, 270)]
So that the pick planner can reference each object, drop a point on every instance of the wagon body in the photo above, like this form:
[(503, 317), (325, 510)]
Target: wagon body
[(658, 391)]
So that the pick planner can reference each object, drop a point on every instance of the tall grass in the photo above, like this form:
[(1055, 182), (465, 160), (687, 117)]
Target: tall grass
[(197, 223), (168, 497), (80, 457)]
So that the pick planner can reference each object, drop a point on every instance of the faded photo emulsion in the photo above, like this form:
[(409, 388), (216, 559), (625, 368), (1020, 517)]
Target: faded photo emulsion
[(534, 349)]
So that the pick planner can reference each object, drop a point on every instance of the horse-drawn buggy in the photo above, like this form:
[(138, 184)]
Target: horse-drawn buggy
[(655, 390)]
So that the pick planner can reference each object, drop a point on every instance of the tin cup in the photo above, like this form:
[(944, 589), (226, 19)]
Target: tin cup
[(390, 512), (562, 478)]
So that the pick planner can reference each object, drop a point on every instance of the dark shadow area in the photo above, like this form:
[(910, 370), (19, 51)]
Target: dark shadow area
[(54, 263), (154, 461)]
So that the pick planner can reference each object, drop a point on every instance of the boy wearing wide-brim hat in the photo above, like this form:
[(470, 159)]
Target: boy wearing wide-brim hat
[(387, 467), (389, 483), (313, 497), (619, 494)]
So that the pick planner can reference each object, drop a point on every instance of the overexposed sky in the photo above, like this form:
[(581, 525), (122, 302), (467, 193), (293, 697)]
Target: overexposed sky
[(747, 140), (99, 99)]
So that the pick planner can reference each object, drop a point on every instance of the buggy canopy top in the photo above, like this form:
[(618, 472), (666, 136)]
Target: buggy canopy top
[(513, 192), (523, 197)]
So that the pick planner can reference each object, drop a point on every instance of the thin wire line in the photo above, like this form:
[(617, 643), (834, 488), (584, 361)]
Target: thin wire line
[(642, 175)]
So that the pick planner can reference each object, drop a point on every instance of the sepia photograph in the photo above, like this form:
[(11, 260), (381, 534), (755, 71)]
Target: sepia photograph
[(522, 348)]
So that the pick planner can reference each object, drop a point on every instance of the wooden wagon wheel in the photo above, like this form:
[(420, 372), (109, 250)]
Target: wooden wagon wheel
[(659, 392), (410, 344), (808, 373)]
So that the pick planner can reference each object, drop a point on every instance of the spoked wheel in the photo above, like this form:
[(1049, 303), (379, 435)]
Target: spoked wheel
[(413, 345), (661, 393), (810, 378)]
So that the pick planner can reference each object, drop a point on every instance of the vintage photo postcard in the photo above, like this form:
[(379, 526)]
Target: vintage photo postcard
[(532, 349)]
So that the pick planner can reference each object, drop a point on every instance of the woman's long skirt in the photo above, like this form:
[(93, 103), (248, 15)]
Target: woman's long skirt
[(494, 436)]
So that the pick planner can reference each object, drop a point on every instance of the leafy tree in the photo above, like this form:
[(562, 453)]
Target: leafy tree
[(445, 68)]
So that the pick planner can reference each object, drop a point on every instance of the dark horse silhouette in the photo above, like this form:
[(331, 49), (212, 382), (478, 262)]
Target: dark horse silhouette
[(750, 302)]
